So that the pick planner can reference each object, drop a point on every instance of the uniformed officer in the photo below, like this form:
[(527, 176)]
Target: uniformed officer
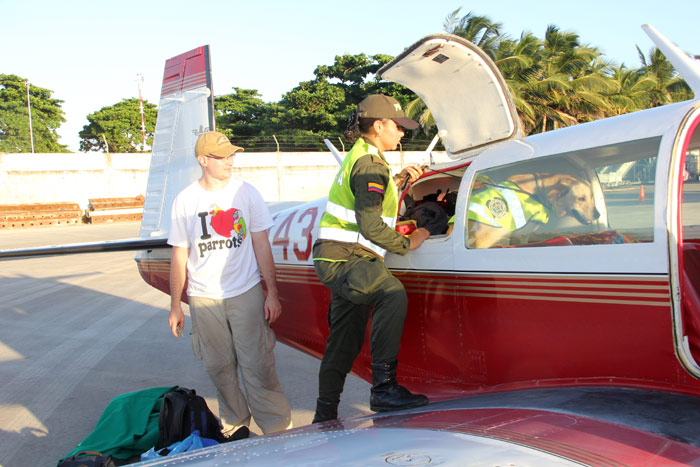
[(355, 233)]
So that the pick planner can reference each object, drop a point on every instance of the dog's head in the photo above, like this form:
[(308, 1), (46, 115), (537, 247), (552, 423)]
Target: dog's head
[(574, 197)]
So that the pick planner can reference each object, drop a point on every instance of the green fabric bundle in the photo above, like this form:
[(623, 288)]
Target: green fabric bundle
[(128, 426)]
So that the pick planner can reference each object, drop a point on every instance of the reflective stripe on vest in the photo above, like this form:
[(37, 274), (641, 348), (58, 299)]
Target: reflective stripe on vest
[(339, 221), (348, 215), (516, 209), (340, 235)]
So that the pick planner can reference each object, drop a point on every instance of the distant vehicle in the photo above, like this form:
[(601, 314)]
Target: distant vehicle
[(570, 336)]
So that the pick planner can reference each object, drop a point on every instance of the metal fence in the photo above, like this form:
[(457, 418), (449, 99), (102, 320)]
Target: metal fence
[(297, 143)]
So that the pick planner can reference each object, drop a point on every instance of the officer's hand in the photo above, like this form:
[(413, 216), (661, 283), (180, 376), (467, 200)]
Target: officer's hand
[(409, 174), (417, 237)]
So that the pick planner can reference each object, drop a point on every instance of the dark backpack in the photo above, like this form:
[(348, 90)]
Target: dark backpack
[(431, 216), (89, 459), (182, 412)]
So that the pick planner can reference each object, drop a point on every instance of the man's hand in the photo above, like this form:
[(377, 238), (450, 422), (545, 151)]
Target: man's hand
[(417, 237), (176, 320), (178, 274), (273, 308)]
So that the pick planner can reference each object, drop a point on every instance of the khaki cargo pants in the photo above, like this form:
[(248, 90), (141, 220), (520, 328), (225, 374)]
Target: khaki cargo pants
[(232, 333)]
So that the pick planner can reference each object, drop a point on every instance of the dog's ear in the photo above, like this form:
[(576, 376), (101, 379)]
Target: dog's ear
[(562, 188)]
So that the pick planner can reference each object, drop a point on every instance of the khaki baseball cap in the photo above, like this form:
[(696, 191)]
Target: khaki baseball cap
[(381, 106), (214, 143)]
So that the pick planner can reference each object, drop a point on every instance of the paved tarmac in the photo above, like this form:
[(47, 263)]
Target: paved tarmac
[(76, 331)]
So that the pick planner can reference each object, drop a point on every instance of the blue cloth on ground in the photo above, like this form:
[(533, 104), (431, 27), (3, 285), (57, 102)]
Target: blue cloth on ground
[(192, 442)]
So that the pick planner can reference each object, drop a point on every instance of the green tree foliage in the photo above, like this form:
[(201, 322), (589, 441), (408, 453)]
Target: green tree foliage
[(479, 30), (242, 113), (559, 81), (669, 86), (46, 113), (632, 90), (555, 81), (314, 110), (323, 104), (120, 126)]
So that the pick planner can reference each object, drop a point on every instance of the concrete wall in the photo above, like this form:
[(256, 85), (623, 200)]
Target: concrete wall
[(46, 178)]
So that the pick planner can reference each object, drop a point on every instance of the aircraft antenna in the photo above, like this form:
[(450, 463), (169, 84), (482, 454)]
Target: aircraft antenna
[(433, 143), (29, 110), (688, 68), (334, 151), (139, 80)]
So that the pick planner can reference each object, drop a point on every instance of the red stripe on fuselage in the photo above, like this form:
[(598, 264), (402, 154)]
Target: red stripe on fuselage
[(467, 332)]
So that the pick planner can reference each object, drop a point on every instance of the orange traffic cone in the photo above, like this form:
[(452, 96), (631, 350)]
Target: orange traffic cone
[(642, 198)]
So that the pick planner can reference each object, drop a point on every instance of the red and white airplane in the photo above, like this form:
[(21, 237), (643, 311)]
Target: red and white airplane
[(571, 337)]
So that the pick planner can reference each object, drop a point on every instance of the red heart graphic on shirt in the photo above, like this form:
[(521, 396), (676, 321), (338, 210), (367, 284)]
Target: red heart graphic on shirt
[(222, 221)]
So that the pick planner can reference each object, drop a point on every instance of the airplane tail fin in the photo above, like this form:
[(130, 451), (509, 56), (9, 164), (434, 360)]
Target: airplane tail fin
[(185, 110), (687, 67)]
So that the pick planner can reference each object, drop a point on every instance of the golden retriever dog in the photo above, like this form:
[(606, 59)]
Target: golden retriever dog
[(558, 195)]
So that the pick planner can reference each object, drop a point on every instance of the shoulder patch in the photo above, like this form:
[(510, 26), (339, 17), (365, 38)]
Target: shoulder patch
[(376, 187), (498, 207)]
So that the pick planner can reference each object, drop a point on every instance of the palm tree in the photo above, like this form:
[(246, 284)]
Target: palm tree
[(632, 90), (479, 30), (669, 86), (564, 84), (418, 111), (554, 82)]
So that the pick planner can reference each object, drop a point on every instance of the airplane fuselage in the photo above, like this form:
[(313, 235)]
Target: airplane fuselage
[(598, 305)]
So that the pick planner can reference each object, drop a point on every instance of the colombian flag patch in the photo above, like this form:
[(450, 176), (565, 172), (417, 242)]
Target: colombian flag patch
[(375, 187)]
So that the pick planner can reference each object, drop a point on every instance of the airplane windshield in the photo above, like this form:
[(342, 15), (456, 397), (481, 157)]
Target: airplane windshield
[(597, 196)]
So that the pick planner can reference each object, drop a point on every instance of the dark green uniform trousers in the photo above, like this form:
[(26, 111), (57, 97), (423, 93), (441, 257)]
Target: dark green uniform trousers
[(358, 286)]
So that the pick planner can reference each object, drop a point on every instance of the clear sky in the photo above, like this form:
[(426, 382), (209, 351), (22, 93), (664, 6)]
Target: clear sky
[(90, 52)]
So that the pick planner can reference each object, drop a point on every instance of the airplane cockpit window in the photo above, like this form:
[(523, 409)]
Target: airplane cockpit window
[(601, 195)]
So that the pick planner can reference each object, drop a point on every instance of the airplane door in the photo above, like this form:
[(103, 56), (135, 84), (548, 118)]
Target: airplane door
[(684, 220), (462, 87)]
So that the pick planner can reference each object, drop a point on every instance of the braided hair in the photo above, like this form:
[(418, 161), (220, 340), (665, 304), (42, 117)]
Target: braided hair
[(358, 126)]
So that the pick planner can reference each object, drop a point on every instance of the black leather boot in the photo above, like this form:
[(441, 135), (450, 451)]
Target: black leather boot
[(387, 394), (325, 410)]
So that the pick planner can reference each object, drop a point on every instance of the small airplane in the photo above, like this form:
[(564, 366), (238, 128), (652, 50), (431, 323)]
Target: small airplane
[(555, 322)]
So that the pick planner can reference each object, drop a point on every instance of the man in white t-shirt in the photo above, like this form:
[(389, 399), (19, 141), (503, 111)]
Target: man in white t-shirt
[(218, 232)]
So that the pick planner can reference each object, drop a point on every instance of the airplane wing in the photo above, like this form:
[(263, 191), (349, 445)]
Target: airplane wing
[(93, 247)]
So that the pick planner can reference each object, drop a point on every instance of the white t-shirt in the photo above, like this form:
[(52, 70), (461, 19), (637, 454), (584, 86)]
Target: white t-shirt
[(215, 226)]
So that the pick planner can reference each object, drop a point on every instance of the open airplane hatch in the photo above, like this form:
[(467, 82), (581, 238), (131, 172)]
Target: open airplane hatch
[(185, 110), (684, 219), (462, 87)]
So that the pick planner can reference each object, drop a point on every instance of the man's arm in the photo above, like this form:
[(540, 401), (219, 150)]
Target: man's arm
[(178, 274), (263, 254)]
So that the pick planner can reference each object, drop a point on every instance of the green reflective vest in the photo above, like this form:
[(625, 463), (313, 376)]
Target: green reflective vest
[(339, 222), (506, 206)]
